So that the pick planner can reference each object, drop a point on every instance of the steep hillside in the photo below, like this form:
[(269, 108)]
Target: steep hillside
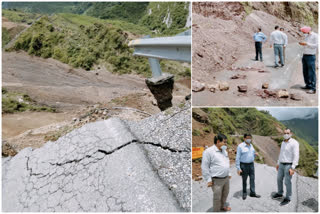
[(167, 18), (83, 41), (234, 122), (233, 24), (305, 128)]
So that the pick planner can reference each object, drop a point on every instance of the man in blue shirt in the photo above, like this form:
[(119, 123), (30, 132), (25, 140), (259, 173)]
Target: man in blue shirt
[(259, 38), (245, 166)]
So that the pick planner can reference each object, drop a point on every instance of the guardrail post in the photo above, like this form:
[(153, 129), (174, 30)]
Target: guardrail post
[(172, 48)]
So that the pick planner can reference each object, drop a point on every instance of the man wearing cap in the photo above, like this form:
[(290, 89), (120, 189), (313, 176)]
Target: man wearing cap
[(245, 166), (288, 160), (309, 59), (259, 38), (215, 167), (277, 39)]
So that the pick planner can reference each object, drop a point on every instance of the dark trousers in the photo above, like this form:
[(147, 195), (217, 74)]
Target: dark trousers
[(258, 46), (309, 71), (247, 170)]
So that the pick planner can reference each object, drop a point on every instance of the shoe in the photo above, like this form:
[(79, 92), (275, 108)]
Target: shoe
[(276, 66), (311, 91), (282, 65), (255, 195), (305, 87), (285, 202), (277, 195), (244, 196)]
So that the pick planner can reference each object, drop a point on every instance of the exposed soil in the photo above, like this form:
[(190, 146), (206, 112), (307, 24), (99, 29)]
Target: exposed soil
[(222, 41), (79, 96)]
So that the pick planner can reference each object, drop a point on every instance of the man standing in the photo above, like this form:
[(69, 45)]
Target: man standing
[(309, 59), (259, 38), (288, 160), (284, 45), (245, 166), (215, 170), (277, 39)]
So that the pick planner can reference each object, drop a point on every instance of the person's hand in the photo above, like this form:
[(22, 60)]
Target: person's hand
[(229, 177), (270, 46), (277, 167), (303, 43), (256, 154), (291, 172), (210, 184), (239, 172)]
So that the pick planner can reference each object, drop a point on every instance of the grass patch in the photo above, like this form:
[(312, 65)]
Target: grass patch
[(19, 16), (17, 102)]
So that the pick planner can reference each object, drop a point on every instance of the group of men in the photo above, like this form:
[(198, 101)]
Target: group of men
[(216, 168), (279, 41)]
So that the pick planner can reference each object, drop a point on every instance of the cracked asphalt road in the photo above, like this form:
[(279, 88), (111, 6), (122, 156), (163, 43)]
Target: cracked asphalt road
[(304, 193), (110, 165)]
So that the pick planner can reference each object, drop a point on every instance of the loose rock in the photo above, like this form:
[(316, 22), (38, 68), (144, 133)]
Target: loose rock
[(197, 86), (265, 85), (283, 93), (224, 86), (242, 88)]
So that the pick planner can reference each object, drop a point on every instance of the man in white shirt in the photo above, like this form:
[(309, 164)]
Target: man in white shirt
[(309, 59), (277, 39), (216, 171), (288, 160)]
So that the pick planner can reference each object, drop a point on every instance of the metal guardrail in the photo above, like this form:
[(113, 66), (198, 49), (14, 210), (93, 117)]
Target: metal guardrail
[(177, 48)]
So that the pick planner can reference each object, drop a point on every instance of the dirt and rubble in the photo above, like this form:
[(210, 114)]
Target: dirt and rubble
[(79, 96)]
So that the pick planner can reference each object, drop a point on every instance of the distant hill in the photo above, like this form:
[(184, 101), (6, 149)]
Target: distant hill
[(305, 128), (207, 122), (162, 17)]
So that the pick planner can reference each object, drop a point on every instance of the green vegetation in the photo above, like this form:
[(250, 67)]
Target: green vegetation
[(8, 35), (242, 120), (20, 17), (127, 11), (133, 12), (306, 129), (83, 41), (17, 102), (196, 132), (160, 11)]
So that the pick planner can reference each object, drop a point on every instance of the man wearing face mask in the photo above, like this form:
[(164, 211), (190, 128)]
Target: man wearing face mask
[(245, 166), (288, 160), (215, 170), (309, 59)]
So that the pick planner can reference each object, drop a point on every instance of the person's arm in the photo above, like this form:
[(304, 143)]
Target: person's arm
[(205, 166), (295, 161), (314, 43), (254, 37), (238, 158), (264, 37)]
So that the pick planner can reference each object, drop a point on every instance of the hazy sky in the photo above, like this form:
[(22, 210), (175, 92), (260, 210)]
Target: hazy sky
[(289, 113)]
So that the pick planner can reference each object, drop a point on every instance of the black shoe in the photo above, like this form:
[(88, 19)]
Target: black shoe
[(282, 65), (311, 91), (305, 87), (255, 195), (285, 202), (277, 195), (244, 196), (276, 66)]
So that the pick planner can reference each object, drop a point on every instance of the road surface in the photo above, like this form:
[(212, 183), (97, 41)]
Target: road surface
[(289, 77), (109, 165), (304, 197)]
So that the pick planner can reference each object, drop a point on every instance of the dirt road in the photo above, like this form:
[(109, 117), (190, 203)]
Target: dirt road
[(288, 77)]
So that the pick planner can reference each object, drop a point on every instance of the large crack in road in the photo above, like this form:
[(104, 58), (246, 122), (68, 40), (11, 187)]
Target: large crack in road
[(106, 166)]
